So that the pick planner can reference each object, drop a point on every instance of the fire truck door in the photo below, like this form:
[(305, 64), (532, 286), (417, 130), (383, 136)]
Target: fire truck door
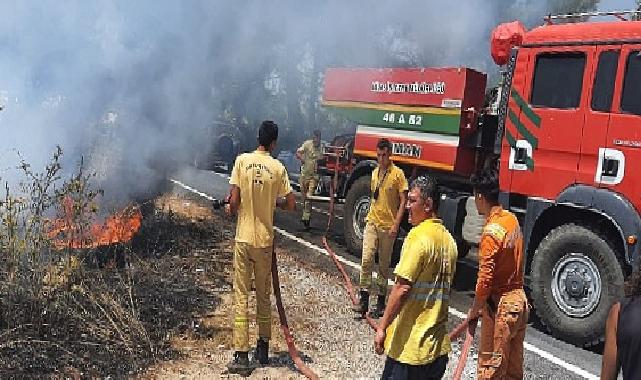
[(598, 113), (550, 127), (617, 160), (512, 157)]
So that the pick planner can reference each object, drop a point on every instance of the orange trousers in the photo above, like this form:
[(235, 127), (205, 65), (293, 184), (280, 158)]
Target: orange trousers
[(502, 335)]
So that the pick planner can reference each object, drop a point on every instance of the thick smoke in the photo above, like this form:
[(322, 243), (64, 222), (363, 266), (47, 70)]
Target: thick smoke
[(617, 5), (135, 87)]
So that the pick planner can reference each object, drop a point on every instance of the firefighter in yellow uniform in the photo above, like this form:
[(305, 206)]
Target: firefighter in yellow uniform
[(309, 153), (413, 329), (387, 207), (258, 184), (500, 298)]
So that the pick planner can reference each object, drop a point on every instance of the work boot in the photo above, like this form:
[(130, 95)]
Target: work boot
[(240, 364), (262, 350), (363, 304), (380, 307)]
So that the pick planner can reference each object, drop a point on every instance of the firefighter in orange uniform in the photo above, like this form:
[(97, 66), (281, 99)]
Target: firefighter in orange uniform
[(259, 183), (500, 298)]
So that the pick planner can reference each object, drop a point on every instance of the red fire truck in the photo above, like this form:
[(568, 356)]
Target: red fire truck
[(564, 132)]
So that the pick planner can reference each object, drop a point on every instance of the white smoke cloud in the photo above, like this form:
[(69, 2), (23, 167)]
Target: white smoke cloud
[(144, 76), (617, 5)]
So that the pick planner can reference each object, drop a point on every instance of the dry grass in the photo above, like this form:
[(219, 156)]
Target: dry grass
[(61, 316)]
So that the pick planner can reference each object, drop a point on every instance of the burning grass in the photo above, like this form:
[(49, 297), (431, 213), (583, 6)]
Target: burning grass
[(119, 227), (63, 316)]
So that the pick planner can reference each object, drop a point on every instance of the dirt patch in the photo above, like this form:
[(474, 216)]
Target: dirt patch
[(329, 339)]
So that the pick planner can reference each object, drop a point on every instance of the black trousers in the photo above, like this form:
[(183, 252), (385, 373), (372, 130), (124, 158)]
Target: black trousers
[(395, 370)]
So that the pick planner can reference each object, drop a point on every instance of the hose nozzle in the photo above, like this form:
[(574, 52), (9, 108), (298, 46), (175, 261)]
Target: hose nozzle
[(219, 203)]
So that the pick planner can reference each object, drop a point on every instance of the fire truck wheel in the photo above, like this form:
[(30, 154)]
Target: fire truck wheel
[(356, 208), (576, 277)]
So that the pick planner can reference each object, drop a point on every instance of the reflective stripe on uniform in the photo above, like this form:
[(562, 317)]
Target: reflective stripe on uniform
[(431, 297), (495, 230), (241, 320), (431, 285), (431, 290)]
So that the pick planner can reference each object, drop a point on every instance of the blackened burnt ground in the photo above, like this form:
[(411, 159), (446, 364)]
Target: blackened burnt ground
[(88, 322)]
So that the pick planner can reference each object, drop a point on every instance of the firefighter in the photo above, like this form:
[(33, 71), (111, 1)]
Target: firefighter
[(389, 193), (258, 184), (308, 154), (500, 299), (413, 329)]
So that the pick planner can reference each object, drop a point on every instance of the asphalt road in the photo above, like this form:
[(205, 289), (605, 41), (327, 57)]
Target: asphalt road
[(545, 356)]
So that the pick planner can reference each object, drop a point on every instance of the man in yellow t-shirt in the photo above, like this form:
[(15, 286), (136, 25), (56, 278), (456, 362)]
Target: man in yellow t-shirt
[(259, 183), (389, 193), (413, 331), (309, 153)]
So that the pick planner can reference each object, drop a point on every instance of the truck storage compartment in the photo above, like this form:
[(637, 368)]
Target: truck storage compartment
[(424, 112)]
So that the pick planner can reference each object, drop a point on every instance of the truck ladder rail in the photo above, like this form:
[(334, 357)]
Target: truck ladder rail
[(618, 14)]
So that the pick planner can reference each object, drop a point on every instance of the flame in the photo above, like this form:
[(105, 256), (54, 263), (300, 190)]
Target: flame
[(119, 227)]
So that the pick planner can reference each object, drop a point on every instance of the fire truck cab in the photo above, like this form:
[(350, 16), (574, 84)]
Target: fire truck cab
[(565, 137), (570, 117)]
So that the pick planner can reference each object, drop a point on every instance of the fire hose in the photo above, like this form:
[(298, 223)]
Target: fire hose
[(291, 347), (454, 334), (348, 282)]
